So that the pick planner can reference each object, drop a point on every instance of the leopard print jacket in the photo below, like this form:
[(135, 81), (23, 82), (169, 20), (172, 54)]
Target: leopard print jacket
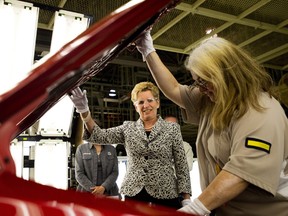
[(156, 162)]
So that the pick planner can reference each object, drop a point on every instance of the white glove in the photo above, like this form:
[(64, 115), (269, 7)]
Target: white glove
[(79, 100), (185, 202), (196, 207), (145, 44)]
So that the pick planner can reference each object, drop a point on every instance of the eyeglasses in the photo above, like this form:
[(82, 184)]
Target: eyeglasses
[(200, 83), (141, 102)]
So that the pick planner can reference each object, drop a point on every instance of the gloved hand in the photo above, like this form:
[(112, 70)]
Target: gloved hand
[(80, 100), (145, 44), (185, 202), (196, 207)]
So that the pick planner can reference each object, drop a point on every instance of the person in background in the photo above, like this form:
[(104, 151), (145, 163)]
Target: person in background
[(96, 169), (120, 149), (187, 146), (242, 142), (153, 146)]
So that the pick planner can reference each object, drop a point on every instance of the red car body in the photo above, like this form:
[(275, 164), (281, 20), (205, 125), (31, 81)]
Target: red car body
[(48, 81)]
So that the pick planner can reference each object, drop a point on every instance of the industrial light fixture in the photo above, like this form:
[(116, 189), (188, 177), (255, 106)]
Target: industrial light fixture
[(209, 31), (18, 24), (112, 93)]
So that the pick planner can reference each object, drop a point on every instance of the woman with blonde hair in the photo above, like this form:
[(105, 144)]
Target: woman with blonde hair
[(154, 147), (242, 142)]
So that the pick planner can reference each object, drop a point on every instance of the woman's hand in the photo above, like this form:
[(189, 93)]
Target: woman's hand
[(79, 100), (145, 44), (98, 190)]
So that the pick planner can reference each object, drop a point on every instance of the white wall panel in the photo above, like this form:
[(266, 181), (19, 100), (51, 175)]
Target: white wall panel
[(51, 163), (16, 149)]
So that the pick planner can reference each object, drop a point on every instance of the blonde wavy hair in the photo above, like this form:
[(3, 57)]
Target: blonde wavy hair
[(142, 87), (236, 77)]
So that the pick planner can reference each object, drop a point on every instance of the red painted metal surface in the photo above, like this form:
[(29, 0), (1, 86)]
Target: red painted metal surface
[(70, 66), (47, 83), (19, 197)]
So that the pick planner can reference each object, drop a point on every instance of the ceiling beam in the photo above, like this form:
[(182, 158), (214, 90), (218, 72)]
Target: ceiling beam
[(273, 53), (231, 18), (228, 24), (178, 19), (285, 67), (262, 34), (137, 63), (275, 67)]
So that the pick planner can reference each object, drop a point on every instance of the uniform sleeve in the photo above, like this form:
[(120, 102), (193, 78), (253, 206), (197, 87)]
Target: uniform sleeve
[(80, 175), (257, 150), (191, 98)]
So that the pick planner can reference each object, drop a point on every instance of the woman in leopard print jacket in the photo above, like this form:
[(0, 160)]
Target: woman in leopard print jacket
[(157, 169)]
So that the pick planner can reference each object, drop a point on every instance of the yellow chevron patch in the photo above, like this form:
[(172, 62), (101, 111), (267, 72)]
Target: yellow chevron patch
[(258, 144)]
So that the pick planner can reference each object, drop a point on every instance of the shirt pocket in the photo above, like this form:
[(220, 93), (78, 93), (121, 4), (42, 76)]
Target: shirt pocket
[(86, 156), (109, 156)]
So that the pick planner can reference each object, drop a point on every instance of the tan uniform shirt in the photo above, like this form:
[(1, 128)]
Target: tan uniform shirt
[(254, 147)]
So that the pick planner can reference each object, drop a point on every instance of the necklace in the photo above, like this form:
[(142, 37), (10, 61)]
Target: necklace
[(149, 128)]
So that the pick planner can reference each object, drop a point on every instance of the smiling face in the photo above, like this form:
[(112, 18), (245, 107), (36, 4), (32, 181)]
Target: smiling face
[(146, 105), (204, 87)]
